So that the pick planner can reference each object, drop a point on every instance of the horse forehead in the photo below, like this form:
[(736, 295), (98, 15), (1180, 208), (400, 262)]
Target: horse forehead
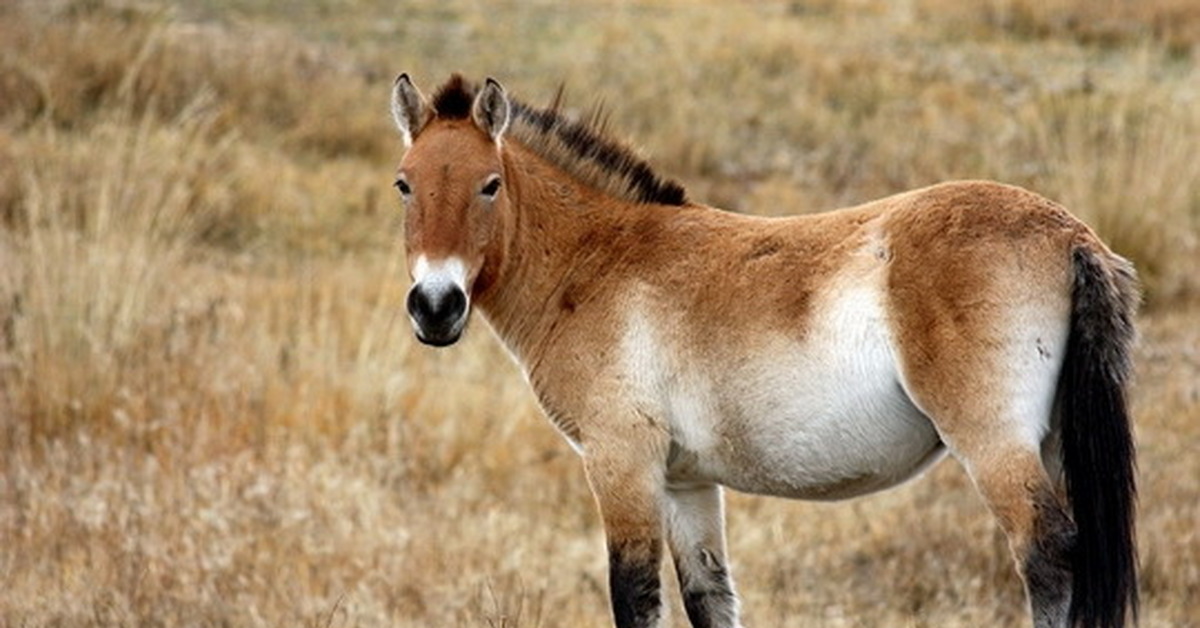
[(451, 148)]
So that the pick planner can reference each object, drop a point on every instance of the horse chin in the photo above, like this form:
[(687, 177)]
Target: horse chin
[(439, 341), (441, 337)]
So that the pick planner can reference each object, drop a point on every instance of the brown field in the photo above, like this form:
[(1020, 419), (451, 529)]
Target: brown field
[(211, 409)]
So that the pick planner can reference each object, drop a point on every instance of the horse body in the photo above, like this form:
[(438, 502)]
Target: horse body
[(680, 348), (767, 349)]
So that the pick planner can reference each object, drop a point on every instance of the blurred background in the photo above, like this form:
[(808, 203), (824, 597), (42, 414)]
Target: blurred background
[(211, 409)]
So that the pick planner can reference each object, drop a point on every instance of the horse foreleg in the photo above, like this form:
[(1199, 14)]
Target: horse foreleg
[(630, 499)]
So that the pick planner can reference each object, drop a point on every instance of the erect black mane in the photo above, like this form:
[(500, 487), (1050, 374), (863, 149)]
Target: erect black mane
[(581, 148), (453, 100)]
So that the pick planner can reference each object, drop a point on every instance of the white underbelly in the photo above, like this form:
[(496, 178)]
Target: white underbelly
[(810, 444), (823, 417)]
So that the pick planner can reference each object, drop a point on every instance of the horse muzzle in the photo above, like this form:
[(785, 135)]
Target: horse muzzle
[(438, 312)]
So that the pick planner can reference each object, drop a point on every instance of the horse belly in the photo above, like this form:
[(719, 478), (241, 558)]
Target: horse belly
[(810, 443), (826, 418)]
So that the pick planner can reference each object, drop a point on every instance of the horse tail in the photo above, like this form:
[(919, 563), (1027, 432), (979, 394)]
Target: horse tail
[(1097, 442)]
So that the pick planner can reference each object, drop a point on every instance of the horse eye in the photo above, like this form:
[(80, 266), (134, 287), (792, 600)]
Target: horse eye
[(492, 187), (402, 186)]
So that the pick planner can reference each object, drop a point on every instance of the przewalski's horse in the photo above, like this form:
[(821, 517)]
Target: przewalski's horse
[(680, 348)]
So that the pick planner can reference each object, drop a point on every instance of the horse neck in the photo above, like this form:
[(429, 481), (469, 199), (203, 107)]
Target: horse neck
[(554, 240)]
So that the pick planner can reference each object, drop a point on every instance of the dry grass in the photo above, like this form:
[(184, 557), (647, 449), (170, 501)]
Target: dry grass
[(211, 412)]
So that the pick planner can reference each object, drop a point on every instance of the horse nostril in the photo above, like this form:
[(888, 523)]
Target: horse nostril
[(418, 303), (456, 303), (436, 308)]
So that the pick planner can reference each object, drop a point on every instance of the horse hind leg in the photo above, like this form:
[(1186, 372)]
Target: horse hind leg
[(1085, 572), (1040, 533), (994, 421)]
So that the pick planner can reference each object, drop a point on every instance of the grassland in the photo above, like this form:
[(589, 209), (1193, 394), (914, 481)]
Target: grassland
[(211, 410)]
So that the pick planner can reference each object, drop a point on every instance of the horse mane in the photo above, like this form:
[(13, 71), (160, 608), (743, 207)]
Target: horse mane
[(582, 148)]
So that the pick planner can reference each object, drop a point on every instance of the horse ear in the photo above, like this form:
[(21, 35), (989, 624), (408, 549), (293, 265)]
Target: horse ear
[(409, 109), (491, 110)]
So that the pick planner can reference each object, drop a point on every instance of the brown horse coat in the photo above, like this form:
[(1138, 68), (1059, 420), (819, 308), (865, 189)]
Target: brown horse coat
[(681, 348)]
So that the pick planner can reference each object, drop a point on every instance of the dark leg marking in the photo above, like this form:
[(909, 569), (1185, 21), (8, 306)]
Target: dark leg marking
[(1048, 564), (633, 582), (707, 594)]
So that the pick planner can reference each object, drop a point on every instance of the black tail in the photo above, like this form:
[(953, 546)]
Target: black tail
[(1097, 443)]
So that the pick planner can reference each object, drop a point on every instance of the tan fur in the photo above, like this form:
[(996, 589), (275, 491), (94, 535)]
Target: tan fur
[(963, 254), (1004, 246), (437, 221), (974, 281)]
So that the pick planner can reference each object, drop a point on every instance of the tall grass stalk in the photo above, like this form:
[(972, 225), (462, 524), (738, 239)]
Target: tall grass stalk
[(104, 231), (1126, 165)]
